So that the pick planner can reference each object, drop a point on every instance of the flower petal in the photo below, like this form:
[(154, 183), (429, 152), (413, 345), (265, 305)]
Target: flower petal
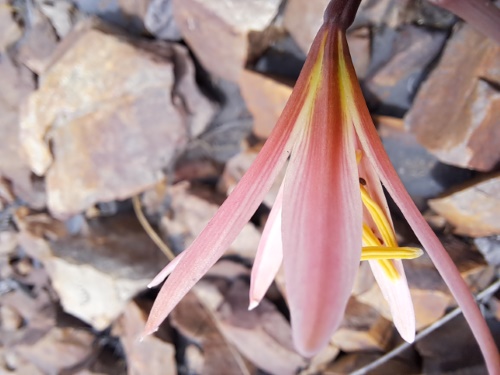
[(167, 270), (394, 289), (374, 150), (397, 295), (321, 211), (269, 254), (235, 212)]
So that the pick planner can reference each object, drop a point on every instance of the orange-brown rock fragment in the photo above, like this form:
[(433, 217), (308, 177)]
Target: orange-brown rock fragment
[(265, 98), (105, 123), (262, 335), (219, 32), (363, 329), (17, 82), (473, 210), (303, 19), (150, 355), (456, 111)]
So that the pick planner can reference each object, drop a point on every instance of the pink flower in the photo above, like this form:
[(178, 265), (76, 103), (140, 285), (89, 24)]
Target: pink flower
[(330, 212)]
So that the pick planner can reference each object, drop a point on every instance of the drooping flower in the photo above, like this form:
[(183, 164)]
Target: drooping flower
[(330, 212)]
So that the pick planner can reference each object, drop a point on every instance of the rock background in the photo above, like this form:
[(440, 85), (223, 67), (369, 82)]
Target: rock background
[(168, 102)]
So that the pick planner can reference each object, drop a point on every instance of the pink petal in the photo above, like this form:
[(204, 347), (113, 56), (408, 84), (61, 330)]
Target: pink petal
[(269, 254), (238, 208), (321, 213), (397, 295), (396, 292), (162, 275), (374, 150)]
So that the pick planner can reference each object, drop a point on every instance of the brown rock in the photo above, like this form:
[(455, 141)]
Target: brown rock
[(489, 248), (236, 30), (380, 13), (62, 15), (237, 166), (149, 355), (229, 270), (188, 216), (29, 315), (109, 117), (414, 48), (265, 98), (351, 362), (8, 242), (429, 304), (160, 21), (422, 174), (364, 279), (60, 349), (94, 160), (17, 83), (473, 210), (128, 14), (451, 347), (194, 359), (303, 19), (197, 322), (97, 270), (10, 319), (359, 41), (321, 360), (38, 43), (12, 363), (9, 29), (363, 329), (262, 335), (456, 119)]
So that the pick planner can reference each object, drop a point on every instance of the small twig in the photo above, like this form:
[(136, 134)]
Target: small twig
[(445, 319), (149, 229)]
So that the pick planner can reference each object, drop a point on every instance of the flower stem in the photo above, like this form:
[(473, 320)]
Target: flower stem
[(341, 12)]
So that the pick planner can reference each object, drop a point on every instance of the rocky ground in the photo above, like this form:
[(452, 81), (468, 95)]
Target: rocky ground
[(162, 105)]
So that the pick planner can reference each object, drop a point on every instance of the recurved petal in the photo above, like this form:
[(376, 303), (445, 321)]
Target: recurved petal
[(269, 254), (235, 212), (322, 213), (395, 290), (221, 231), (167, 270), (397, 295)]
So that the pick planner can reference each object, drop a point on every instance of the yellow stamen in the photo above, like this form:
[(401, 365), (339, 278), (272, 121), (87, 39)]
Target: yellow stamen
[(385, 253), (371, 241), (378, 216), (373, 249)]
